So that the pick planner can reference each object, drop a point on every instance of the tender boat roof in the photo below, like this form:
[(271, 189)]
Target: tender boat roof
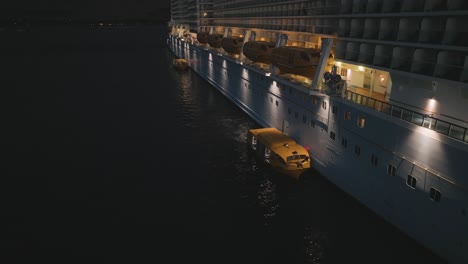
[(278, 142)]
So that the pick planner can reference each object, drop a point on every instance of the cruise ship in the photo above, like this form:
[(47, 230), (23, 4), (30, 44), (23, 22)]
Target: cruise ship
[(379, 88)]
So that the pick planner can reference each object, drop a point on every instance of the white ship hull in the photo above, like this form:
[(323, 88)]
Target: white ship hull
[(432, 159)]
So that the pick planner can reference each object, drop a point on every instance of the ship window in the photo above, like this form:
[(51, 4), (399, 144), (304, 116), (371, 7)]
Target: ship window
[(434, 195), (312, 123), (357, 150), (271, 100), (314, 100), (406, 115), (334, 109), (296, 114), (289, 110), (324, 105), (411, 181), (344, 142), (391, 170), (304, 119), (347, 115), (361, 122), (417, 119), (344, 72), (456, 132), (429, 122), (374, 159), (442, 127), (332, 135), (276, 102)]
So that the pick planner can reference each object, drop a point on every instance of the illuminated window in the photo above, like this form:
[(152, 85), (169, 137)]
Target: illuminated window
[(324, 105), (332, 135), (411, 181), (434, 195), (344, 142), (374, 159), (347, 115), (361, 122), (344, 72), (391, 170)]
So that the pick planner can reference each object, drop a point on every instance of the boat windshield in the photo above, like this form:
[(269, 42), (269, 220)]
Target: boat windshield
[(297, 157)]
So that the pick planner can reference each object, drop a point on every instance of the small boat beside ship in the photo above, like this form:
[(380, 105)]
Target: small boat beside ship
[(214, 40), (278, 150), (297, 60), (203, 36), (232, 44), (259, 51), (180, 64)]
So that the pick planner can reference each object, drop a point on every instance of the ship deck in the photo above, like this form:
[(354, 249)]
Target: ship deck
[(368, 93), (301, 80)]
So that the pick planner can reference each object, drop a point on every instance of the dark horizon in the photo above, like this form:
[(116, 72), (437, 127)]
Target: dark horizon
[(85, 10)]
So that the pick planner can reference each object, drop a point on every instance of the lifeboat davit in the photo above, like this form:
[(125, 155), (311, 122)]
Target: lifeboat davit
[(232, 44), (202, 37), (297, 60), (214, 40), (259, 51)]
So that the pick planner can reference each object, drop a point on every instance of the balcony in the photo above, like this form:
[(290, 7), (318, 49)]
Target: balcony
[(440, 126)]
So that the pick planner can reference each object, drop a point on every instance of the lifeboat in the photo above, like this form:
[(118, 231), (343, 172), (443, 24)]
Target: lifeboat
[(279, 151), (259, 51), (214, 40), (297, 60), (180, 64), (202, 37), (232, 44)]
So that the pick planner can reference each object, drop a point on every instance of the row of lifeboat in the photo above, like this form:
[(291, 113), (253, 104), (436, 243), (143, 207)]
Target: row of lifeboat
[(288, 59)]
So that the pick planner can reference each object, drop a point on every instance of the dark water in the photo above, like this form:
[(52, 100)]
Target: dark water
[(112, 155)]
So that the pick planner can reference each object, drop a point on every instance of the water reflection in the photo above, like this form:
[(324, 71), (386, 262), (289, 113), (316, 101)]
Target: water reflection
[(267, 200), (315, 245)]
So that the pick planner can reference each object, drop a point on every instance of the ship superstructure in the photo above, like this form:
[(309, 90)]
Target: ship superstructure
[(378, 87)]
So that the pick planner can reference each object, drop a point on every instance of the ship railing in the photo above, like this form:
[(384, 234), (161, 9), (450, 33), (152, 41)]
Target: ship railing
[(446, 128)]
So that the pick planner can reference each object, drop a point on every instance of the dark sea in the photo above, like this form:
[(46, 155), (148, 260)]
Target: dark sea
[(111, 155)]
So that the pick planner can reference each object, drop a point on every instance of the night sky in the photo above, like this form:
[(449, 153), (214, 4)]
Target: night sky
[(84, 9)]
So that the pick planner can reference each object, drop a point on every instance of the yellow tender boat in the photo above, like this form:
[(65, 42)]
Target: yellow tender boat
[(280, 151), (180, 64)]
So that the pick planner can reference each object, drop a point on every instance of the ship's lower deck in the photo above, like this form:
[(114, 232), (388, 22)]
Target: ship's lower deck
[(409, 176)]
